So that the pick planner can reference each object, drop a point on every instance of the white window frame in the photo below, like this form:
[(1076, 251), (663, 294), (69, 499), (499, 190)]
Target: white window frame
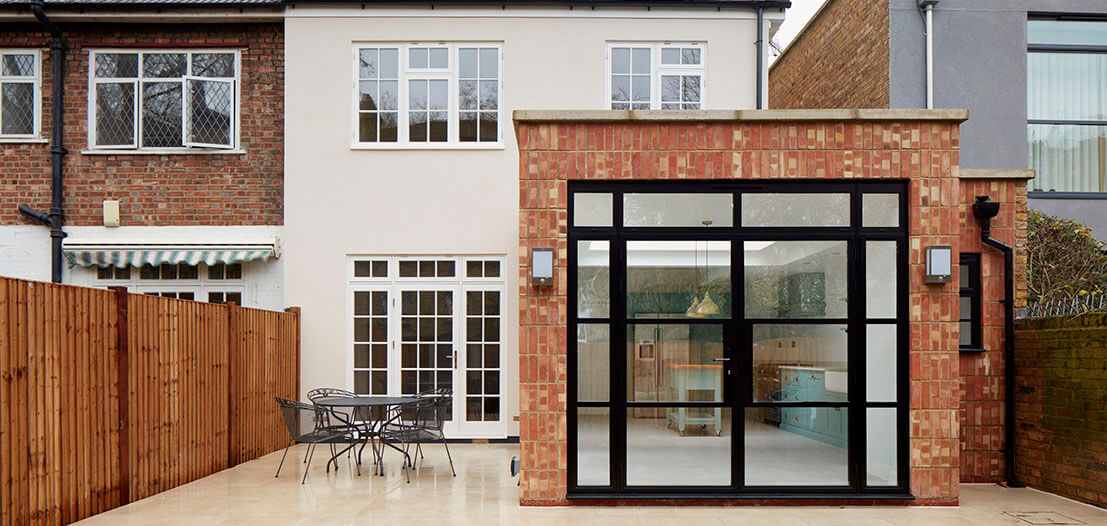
[(36, 110), (187, 146), (200, 286), (657, 70), (407, 73)]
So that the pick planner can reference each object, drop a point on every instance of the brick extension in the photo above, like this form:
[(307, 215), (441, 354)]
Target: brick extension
[(156, 190), (755, 145)]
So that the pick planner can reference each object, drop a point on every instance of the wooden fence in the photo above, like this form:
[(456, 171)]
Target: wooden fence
[(108, 397)]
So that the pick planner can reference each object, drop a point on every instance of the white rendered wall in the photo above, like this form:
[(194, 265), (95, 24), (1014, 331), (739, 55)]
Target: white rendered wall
[(340, 201)]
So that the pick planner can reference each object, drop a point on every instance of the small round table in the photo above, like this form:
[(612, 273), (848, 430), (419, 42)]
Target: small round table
[(367, 408)]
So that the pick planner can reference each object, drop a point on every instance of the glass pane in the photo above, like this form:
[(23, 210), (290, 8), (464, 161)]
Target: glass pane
[(678, 279), (620, 60), (211, 112), (797, 446), (679, 446), (670, 55), (640, 88), (795, 279), (592, 209), (593, 279), (18, 65), (620, 88), (439, 58), (390, 63), (800, 363), (963, 279), (1066, 32), (164, 65), (640, 63), (593, 446), (361, 303), (1068, 158), (115, 114), (213, 64), (880, 279), (670, 88), (881, 440), (670, 363), (417, 58), (965, 308), (367, 64), (17, 108), (879, 210), (489, 63), (361, 270), (691, 88), (881, 355), (965, 329), (162, 104), (1067, 86), (116, 65), (690, 55), (678, 210), (795, 209), (467, 63), (593, 362)]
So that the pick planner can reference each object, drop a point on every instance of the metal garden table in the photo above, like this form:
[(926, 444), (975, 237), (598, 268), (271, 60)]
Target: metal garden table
[(368, 414)]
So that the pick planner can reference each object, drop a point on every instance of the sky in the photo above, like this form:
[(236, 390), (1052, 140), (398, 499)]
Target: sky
[(794, 20)]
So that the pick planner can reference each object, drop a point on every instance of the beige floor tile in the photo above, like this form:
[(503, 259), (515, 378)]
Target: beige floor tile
[(483, 494)]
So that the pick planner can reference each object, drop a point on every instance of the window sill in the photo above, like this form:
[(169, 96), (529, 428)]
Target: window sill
[(23, 140), (166, 151), (1040, 194), (410, 146), (972, 349)]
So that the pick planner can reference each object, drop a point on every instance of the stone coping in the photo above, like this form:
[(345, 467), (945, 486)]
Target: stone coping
[(967, 173), (946, 115)]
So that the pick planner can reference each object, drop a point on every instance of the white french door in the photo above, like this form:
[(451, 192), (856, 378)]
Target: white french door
[(435, 329)]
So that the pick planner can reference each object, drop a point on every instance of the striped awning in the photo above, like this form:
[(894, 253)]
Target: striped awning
[(117, 254)]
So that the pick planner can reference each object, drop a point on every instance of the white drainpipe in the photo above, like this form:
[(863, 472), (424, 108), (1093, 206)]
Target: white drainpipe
[(927, 7)]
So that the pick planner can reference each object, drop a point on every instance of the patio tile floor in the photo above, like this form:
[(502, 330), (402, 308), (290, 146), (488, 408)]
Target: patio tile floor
[(484, 494)]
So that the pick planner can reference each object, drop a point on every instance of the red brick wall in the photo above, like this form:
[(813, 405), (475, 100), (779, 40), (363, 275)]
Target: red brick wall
[(1061, 405), (839, 61), (926, 152), (235, 189), (982, 374)]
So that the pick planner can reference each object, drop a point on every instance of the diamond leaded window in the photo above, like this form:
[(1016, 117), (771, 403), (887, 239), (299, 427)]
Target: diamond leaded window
[(19, 94), (164, 99)]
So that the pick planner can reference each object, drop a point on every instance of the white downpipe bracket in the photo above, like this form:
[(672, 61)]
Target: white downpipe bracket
[(928, 9)]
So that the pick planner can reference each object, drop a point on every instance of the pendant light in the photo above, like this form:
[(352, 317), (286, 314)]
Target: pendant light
[(707, 307)]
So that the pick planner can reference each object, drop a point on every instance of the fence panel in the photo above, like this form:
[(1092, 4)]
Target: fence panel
[(108, 397)]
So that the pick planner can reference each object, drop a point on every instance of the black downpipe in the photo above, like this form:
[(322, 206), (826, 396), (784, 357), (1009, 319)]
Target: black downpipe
[(56, 217), (985, 210), (760, 53)]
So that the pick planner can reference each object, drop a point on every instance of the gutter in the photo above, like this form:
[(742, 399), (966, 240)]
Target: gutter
[(56, 217), (985, 210)]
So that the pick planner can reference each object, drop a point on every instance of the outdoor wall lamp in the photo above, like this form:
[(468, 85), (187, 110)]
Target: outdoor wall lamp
[(939, 264), (541, 266)]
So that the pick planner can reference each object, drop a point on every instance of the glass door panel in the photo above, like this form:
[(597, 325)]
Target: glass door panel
[(428, 358), (482, 361), (370, 319), (660, 455), (674, 362)]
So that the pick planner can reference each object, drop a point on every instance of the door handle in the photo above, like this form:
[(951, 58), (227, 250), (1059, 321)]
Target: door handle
[(720, 359), (453, 359)]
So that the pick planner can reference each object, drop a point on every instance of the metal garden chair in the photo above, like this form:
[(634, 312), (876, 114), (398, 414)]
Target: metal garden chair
[(305, 426)]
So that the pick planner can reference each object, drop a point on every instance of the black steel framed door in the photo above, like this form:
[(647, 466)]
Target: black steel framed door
[(719, 336)]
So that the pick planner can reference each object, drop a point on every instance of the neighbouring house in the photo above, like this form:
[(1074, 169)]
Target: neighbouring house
[(173, 126), (401, 186), (1030, 72)]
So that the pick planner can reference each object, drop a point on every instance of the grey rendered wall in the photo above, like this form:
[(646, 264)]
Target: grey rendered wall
[(979, 64)]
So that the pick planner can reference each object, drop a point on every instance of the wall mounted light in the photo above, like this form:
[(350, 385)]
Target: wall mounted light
[(541, 266), (939, 264)]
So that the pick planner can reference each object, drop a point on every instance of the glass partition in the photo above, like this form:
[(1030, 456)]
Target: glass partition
[(796, 279), (678, 279)]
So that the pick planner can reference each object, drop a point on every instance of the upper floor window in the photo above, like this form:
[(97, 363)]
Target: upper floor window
[(651, 76), (428, 95), (163, 99), (20, 81), (1067, 105)]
